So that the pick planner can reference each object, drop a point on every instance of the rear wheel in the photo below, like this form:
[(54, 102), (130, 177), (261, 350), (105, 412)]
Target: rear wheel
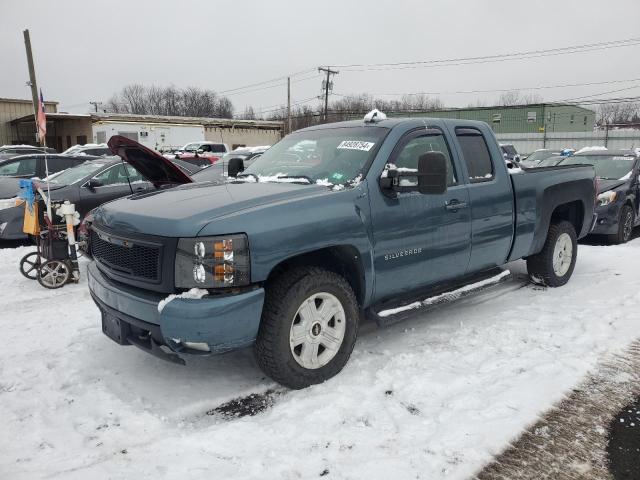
[(554, 265), (30, 264), (54, 274), (309, 327), (625, 226)]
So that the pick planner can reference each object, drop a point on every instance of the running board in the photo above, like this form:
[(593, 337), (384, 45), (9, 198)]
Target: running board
[(394, 311)]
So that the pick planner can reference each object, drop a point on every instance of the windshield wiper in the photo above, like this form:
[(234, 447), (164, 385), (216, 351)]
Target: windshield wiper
[(301, 177)]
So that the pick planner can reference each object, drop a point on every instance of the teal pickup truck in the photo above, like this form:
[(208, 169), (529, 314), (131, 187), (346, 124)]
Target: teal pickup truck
[(289, 254)]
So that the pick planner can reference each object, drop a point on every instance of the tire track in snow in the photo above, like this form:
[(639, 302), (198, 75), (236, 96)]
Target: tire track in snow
[(570, 440)]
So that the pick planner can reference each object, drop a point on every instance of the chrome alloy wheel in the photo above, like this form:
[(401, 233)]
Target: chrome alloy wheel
[(562, 255), (317, 330)]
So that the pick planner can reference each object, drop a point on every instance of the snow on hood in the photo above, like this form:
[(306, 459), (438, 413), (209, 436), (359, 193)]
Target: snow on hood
[(590, 149)]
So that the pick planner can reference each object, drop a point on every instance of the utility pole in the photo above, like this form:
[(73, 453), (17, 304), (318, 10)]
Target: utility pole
[(288, 104), (95, 104), (327, 86), (32, 76)]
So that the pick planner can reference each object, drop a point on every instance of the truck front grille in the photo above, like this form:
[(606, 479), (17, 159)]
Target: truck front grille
[(127, 257)]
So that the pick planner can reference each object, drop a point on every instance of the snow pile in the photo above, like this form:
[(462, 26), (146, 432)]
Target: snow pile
[(194, 294), (374, 115), (433, 397)]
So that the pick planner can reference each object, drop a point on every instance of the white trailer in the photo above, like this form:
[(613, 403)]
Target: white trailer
[(157, 136)]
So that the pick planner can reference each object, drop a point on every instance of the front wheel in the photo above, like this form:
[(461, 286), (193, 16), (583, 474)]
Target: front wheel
[(625, 226), (554, 265), (309, 327)]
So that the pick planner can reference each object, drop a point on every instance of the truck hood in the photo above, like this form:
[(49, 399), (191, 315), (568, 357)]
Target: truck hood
[(153, 166), (606, 185), (183, 211)]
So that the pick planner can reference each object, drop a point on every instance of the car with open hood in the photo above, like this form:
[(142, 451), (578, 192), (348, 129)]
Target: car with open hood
[(618, 202), (97, 181), (332, 223)]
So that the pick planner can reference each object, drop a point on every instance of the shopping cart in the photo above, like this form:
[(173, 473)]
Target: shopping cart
[(54, 263)]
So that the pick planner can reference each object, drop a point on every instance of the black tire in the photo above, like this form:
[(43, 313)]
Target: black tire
[(284, 295), (30, 264), (540, 266), (625, 226)]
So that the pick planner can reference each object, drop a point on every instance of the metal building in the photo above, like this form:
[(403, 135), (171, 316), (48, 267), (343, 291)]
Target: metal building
[(155, 131), (12, 108), (536, 118)]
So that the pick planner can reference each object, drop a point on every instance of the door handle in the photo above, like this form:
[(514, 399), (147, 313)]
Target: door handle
[(455, 205)]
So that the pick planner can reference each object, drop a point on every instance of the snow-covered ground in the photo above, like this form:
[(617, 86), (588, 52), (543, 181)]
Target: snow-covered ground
[(435, 397)]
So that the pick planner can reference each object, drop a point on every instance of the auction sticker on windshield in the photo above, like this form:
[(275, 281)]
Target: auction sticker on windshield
[(355, 145)]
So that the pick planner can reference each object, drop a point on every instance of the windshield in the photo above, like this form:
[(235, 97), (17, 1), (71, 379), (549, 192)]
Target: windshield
[(332, 156), (509, 149), (610, 167), (192, 147), (550, 162), (541, 155), (75, 174)]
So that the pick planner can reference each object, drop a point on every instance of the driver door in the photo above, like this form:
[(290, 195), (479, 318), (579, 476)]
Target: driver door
[(420, 240)]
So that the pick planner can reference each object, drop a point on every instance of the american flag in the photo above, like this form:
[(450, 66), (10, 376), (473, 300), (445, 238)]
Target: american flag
[(41, 121)]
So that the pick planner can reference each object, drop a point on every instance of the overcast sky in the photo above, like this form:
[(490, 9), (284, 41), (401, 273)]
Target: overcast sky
[(87, 50)]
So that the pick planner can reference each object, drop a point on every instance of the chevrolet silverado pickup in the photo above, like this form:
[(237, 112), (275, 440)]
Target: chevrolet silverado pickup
[(327, 225)]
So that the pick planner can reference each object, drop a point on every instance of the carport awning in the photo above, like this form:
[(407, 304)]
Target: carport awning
[(51, 116)]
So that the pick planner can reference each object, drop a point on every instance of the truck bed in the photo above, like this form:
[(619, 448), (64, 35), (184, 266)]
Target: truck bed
[(536, 192)]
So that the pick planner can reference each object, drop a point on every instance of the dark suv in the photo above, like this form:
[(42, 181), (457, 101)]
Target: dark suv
[(618, 191)]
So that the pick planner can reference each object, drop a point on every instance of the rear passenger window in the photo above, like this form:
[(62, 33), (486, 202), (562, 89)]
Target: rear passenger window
[(476, 154), (411, 152)]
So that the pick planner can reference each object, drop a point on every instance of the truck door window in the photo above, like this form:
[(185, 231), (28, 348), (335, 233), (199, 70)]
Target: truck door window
[(411, 152), (476, 154)]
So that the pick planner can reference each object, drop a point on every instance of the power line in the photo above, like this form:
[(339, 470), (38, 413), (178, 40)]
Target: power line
[(601, 93), (278, 79), (281, 84), (493, 58), (503, 89)]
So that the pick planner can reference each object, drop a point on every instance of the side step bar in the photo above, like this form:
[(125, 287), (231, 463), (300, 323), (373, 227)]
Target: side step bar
[(394, 311)]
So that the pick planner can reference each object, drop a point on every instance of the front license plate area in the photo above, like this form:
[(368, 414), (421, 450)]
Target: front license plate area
[(115, 329)]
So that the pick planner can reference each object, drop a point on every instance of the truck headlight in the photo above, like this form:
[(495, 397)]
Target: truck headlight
[(606, 198), (212, 262)]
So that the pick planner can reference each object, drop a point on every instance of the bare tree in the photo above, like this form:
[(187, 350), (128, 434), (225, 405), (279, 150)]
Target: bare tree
[(187, 102)]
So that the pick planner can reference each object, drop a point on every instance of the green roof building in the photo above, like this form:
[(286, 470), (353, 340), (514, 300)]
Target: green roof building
[(536, 118)]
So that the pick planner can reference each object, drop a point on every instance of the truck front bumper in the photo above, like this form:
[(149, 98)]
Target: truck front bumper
[(210, 325)]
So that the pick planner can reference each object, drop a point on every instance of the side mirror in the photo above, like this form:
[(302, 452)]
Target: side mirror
[(93, 184), (235, 166), (432, 173)]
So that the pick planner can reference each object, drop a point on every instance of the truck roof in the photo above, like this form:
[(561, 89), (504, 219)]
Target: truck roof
[(394, 122)]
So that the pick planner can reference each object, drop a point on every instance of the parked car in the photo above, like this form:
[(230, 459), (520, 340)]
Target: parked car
[(549, 162), (510, 153), (10, 151), (290, 254), (219, 172), (91, 184), (537, 156), (618, 202), (96, 149), (202, 153), (33, 165), (189, 168)]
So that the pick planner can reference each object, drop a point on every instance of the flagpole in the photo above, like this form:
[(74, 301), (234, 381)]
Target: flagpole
[(46, 171)]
